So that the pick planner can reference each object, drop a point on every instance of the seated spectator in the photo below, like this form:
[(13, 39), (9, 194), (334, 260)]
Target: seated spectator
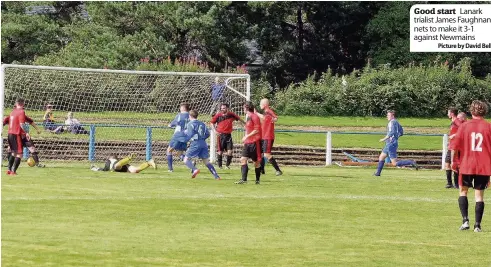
[(73, 125), (49, 122)]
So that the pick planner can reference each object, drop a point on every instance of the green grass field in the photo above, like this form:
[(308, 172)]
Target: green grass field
[(308, 217), (336, 121), (282, 138), (333, 121), (358, 141)]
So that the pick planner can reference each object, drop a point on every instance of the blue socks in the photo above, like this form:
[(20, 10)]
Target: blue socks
[(406, 162), (401, 163), (190, 165), (169, 161), (212, 170), (380, 167)]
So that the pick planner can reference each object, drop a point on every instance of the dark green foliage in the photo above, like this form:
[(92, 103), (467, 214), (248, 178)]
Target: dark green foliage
[(297, 42), (26, 37), (300, 38), (414, 91), (294, 39)]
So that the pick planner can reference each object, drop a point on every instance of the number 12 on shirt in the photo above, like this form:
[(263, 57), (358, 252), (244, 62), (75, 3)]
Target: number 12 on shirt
[(477, 139)]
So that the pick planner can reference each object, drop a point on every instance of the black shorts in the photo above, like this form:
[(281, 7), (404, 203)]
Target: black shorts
[(124, 168), (27, 143), (15, 143), (252, 151), (225, 142), (448, 157), (481, 182), (267, 145)]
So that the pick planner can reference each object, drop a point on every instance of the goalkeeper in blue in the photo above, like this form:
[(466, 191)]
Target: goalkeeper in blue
[(394, 131), (197, 133), (179, 123)]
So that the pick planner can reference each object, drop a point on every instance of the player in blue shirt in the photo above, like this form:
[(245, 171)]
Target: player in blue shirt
[(176, 143), (197, 133), (394, 131)]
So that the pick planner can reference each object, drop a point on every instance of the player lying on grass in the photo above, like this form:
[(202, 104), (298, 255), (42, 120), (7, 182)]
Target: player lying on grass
[(197, 133), (123, 165), (394, 131), (27, 140)]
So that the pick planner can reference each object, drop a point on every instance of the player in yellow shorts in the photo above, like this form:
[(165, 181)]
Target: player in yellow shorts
[(123, 165)]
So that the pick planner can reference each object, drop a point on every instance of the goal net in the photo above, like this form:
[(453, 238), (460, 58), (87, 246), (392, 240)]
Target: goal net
[(120, 112)]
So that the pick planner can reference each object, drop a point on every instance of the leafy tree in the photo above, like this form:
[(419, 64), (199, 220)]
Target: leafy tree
[(213, 31), (296, 40), (24, 37), (95, 46), (414, 91), (302, 38)]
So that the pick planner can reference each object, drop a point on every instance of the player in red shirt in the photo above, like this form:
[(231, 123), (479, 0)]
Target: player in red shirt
[(223, 123), (267, 126), (473, 142), (17, 119), (27, 141), (454, 126), (252, 147), (461, 117)]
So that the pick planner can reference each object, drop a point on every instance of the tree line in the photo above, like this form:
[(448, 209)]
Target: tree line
[(289, 41)]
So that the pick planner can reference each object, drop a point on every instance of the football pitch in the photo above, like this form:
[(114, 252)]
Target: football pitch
[(71, 216)]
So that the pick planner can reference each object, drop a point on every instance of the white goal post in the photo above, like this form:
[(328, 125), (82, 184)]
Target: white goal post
[(120, 111)]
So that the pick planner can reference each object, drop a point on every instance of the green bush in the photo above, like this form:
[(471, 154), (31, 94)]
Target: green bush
[(260, 89), (414, 91)]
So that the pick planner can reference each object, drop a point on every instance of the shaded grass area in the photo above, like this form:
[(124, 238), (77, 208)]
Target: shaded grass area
[(69, 216), (282, 138), (358, 141), (359, 121), (333, 121)]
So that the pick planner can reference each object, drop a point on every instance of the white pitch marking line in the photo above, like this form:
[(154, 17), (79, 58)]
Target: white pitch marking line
[(220, 196)]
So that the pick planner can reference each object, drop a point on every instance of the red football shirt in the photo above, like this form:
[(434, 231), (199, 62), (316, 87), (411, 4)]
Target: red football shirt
[(17, 116), (473, 140), (6, 121), (253, 123), (454, 127), (268, 124), (225, 121)]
